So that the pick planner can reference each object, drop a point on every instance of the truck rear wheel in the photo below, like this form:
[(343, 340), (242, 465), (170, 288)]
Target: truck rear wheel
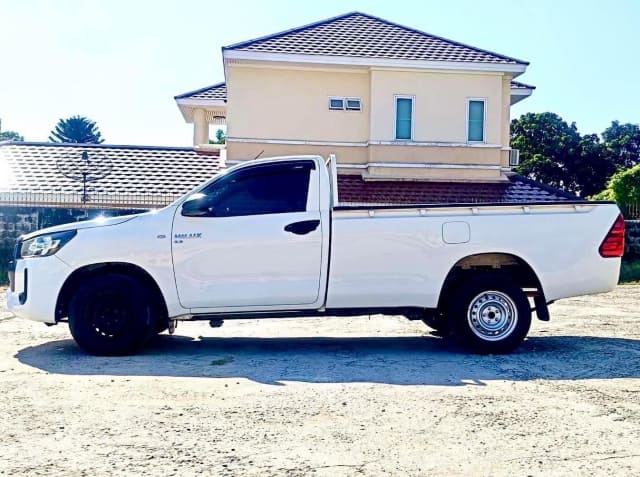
[(111, 315), (491, 314)]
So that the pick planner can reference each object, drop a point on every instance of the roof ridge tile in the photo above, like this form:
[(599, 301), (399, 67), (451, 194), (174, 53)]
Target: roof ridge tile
[(316, 39)]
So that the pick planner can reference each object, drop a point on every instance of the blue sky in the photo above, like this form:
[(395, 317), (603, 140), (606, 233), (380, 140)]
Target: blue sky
[(120, 62)]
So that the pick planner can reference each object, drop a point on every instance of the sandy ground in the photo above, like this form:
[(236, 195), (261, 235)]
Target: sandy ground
[(340, 396)]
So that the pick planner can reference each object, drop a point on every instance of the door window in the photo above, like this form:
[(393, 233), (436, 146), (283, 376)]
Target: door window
[(258, 190)]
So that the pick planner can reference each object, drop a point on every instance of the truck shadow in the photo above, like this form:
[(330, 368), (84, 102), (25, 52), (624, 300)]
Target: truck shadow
[(392, 360)]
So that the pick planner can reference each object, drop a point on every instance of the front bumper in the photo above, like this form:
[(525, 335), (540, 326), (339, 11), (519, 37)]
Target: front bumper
[(35, 285)]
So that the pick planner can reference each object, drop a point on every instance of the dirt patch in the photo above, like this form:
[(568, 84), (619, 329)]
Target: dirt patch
[(339, 396)]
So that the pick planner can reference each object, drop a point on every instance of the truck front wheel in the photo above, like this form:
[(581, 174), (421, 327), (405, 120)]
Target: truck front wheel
[(491, 314), (111, 315)]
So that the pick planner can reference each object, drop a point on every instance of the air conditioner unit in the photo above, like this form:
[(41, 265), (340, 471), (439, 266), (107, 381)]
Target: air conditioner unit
[(514, 157)]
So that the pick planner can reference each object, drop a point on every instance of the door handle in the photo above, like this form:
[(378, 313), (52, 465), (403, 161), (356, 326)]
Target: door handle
[(302, 228)]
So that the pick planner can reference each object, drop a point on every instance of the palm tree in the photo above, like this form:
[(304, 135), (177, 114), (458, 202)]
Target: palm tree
[(76, 129)]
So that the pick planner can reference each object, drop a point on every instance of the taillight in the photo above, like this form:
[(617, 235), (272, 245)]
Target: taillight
[(613, 243)]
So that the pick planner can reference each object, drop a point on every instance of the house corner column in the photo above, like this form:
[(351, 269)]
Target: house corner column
[(200, 128)]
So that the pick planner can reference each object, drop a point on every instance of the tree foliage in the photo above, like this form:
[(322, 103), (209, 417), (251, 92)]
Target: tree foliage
[(10, 136), (624, 187), (76, 129), (623, 144), (220, 137), (554, 152)]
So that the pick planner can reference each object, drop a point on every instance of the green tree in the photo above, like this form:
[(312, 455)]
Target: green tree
[(624, 187), (76, 129), (220, 137), (10, 136), (553, 152), (622, 142), (592, 167)]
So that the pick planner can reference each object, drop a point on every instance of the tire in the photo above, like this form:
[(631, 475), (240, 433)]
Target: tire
[(111, 315), (490, 314), (161, 327)]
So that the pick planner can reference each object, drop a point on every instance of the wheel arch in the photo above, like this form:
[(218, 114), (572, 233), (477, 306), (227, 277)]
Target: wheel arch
[(491, 262), (83, 273)]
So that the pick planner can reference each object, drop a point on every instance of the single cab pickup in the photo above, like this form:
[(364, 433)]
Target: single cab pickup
[(270, 239)]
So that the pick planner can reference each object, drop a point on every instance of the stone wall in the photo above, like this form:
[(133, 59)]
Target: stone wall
[(16, 221), (632, 240)]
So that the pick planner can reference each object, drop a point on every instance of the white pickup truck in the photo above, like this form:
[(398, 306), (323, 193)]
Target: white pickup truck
[(269, 239)]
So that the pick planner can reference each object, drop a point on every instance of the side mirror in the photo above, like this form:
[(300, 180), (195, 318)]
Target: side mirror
[(197, 206)]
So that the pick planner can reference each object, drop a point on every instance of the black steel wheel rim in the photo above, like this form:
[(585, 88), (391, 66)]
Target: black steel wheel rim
[(110, 315)]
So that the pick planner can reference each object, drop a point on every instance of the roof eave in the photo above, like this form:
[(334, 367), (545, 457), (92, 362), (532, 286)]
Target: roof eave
[(187, 105), (92, 145), (518, 94), (515, 69), (201, 103), (199, 90)]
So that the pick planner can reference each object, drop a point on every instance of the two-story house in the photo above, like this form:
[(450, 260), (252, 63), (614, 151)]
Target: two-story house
[(411, 117), (390, 101)]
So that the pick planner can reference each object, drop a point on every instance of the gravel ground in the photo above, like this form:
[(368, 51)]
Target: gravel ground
[(339, 396)]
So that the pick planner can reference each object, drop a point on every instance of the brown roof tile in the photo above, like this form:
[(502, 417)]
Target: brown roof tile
[(216, 91), (352, 189), (135, 170), (518, 85), (360, 35), (168, 172)]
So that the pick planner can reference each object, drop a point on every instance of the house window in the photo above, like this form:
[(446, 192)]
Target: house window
[(353, 104), (404, 117), (475, 125), (336, 104)]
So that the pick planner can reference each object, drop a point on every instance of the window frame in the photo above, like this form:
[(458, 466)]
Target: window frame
[(484, 121), (308, 165), (346, 104), (336, 98), (396, 97), (344, 100)]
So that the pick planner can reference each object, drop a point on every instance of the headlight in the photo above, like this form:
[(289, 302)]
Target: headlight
[(46, 244)]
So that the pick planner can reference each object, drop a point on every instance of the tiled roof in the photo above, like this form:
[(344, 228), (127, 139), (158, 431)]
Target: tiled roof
[(360, 35), (135, 170), (518, 85), (352, 189), (165, 173), (216, 91)]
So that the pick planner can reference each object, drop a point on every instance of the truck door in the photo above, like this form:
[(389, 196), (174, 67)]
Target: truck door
[(251, 238)]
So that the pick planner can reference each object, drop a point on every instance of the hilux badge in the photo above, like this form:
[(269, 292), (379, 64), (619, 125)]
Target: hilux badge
[(179, 238)]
